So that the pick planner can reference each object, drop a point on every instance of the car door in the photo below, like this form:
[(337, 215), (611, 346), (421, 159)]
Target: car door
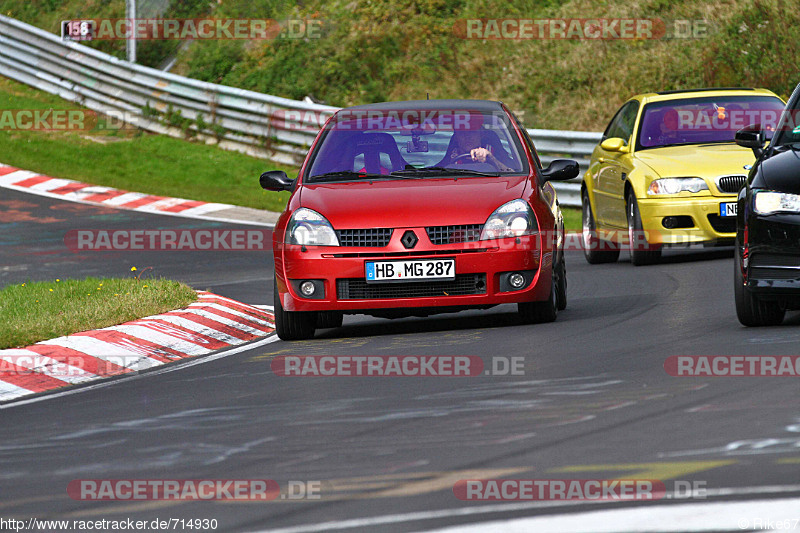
[(613, 169)]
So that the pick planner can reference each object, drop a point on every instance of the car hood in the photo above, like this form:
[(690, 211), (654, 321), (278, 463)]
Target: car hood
[(411, 203), (781, 172), (701, 160)]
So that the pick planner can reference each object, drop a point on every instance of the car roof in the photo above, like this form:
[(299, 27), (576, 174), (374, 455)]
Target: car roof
[(472, 105), (702, 93)]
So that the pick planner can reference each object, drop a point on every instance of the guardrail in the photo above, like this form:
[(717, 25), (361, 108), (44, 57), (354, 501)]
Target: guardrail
[(269, 127)]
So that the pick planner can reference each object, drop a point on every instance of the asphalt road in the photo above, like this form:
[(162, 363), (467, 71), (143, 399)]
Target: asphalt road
[(594, 400)]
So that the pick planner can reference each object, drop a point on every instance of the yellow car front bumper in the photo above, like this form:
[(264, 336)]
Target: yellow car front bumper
[(707, 226)]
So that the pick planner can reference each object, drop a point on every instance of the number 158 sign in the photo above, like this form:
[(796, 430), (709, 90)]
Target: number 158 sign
[(77, 30)]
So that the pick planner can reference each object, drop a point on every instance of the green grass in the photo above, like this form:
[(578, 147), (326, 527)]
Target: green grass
[(572, 218), (154, 164), (33, 312)]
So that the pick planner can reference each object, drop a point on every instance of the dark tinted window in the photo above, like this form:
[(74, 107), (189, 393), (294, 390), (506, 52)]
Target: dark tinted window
[(622, 124), (705, 120)]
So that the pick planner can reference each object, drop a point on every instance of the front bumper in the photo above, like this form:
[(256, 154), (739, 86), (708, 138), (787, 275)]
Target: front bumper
[(707, 226), (342, 272), (772, 256)]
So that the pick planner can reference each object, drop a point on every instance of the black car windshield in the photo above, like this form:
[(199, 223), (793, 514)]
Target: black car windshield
[(789, 126), (705, 120), (364, 145)]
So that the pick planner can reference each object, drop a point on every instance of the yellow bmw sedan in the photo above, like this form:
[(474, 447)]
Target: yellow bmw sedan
[(667, 171)]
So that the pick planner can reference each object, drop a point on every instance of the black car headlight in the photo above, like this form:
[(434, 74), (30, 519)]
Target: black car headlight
[(768, 202)]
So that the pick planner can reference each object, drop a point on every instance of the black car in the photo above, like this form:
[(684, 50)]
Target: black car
[(767, 271)]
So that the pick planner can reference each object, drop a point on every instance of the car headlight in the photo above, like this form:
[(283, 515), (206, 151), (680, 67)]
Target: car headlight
[(308, 227), (676, 185), (767, 202), (511, 219)]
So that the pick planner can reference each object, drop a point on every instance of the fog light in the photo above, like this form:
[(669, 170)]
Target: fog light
[(516, 280), (307, 288)]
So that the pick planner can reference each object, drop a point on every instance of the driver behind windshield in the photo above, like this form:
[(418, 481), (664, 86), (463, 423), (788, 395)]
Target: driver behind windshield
[(466, 148)]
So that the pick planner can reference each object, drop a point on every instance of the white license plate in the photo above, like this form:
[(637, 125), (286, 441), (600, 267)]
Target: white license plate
[(430, 269), (727, 209)]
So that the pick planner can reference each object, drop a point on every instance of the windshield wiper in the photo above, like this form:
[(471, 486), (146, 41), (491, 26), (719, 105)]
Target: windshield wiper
[(445, 170), (344, 174), (356, 175)]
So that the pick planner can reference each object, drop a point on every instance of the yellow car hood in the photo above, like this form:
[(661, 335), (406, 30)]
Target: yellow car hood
[(701, 160)]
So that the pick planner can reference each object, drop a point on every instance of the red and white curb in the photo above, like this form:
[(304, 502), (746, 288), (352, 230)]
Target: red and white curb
[(75, 191), (212, 323)]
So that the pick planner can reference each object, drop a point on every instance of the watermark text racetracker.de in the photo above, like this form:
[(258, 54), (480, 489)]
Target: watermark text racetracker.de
[(590, 29), (577, 489), (69, 120), (396, 366), (98, 240), (258, 490), (115, 240), (73, 367), (160, 29), (733, 365)]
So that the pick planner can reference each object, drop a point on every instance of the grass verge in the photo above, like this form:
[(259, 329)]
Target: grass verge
[(134, 161), (33, 312), (572, 218)]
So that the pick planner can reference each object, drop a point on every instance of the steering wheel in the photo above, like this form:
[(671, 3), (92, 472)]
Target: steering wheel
[(462, 156)]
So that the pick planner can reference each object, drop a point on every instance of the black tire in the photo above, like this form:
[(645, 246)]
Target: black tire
[(329, 319), (651, 253), (591, 243), (751, 310), (540, 312), (293, 325), (561, 284)]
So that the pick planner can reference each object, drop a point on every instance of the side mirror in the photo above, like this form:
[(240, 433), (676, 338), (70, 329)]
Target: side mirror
[(560, 170), (751, 137), (276, 180), (614, 144)]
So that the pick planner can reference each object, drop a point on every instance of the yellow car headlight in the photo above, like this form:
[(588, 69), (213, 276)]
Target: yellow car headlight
[(676, 185)]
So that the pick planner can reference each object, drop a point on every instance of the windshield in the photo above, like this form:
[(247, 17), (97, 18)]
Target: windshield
[(789, 130), (364, 145), (705, 120)]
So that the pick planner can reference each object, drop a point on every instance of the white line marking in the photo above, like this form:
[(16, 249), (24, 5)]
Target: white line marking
[(203, 209), (191, 325), (124, 199), (161, 338), (14, 177), (222, 320), (100, 349), (158, 205), (689, 517), (129, 377), (9, 391), (49, 185), (507, 507), (232, 311)]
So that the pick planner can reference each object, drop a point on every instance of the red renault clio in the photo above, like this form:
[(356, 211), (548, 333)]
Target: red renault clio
[(415, 208)]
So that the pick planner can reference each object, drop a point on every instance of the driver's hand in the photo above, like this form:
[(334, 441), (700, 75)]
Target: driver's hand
[(479, 154)]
